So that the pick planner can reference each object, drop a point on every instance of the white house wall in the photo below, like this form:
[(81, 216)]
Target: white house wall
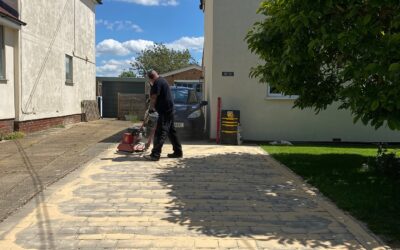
[(261, 118), (52, 31), (85, 29), (7, 108)]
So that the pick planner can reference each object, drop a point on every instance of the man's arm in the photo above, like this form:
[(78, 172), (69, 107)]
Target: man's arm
[(153, 100), (154, 92)]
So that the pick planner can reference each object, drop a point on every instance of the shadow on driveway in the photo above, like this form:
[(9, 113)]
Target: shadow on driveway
[(44, 226), (238, 195)]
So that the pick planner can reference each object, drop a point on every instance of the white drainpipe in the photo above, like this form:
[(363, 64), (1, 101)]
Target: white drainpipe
[(100, 101)]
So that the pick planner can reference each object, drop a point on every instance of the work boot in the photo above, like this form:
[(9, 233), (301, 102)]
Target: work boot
[(175, 155), (151, 158)]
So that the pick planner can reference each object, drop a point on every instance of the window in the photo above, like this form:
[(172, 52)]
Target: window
[(180, 96), (192, 84), (2, 55), (199, 88), (68, 69), (185, 85), (274, 93)]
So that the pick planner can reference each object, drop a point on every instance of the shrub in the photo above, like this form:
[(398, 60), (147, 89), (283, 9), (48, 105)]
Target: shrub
[(12, 136), (387, 162), (134, 119)]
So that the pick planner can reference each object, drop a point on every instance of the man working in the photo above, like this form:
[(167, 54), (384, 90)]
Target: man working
[(162, 102)]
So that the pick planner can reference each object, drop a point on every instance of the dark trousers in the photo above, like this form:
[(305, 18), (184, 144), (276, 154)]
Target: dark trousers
[(165, 127)]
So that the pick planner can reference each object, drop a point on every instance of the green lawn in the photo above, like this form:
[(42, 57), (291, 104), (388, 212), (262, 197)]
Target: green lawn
[(338, 173)]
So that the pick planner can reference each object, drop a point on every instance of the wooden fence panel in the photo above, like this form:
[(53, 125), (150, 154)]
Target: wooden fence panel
[(131, 104), (90, 110)]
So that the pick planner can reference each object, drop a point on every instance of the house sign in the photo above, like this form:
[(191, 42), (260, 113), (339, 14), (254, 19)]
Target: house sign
[(228, 73)]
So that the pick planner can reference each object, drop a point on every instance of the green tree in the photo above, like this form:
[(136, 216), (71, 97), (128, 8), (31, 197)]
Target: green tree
[(162, 59), (325, 51), (127, 73)]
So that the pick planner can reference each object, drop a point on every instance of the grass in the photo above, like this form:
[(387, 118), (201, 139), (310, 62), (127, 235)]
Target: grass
[(12, 136), (59, 126), (133, 118), (339, 174)]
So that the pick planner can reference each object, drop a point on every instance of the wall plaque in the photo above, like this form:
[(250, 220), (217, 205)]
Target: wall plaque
[(228, 73)]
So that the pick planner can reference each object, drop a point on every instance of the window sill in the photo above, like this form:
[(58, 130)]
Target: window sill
[(3, 81), (69, 83), (294, 97)]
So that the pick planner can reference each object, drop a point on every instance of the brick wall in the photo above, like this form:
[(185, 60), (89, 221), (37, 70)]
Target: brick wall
[(193, 74), (42, 124), (6, 126)]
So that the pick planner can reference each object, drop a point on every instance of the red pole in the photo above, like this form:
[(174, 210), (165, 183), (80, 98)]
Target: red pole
[(218, 137)]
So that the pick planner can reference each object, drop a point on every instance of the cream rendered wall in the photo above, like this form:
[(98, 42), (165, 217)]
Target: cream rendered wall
[(56, 28), (7, 108), (265, 119)]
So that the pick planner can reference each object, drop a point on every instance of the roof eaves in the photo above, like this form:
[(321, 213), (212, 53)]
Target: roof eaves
[(10, 13), (182, 70), (201, 4), (121, 79), (12, 19)]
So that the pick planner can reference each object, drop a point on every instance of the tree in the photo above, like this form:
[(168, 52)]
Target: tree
[(127, 73), (344, 51), (162, 59)]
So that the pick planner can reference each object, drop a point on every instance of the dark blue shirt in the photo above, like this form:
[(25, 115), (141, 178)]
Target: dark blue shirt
[(164, 102)]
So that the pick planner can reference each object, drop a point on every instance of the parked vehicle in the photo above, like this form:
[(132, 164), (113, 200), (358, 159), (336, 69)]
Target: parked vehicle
[(189, 115), (193, 84)]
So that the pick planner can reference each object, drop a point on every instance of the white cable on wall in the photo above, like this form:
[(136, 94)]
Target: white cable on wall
[(25, 108)]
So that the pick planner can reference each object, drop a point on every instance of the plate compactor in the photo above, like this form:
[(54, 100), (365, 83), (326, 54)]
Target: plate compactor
[(132, 141)]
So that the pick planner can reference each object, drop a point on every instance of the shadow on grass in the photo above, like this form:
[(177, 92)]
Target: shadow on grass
[(238, 195), (345, 179), (359, 145)]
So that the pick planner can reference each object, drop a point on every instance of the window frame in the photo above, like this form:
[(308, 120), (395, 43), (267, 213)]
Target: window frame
[(69, 81), (279, 96), (193, 84)]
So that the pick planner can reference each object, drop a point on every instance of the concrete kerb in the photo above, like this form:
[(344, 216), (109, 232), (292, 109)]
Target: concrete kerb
[(362, 233)]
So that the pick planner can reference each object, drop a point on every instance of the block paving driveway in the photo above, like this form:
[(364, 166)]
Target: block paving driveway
[(217, 197)]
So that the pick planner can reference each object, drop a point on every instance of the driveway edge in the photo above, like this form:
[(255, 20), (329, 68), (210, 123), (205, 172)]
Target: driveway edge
[(361, 232)]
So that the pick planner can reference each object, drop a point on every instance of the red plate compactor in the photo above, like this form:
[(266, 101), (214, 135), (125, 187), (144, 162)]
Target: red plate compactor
[(132, 141)]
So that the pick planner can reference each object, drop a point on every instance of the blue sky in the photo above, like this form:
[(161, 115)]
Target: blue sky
[(125, 27)]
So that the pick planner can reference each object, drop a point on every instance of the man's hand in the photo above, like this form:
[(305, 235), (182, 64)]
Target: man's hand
[(151, 110)]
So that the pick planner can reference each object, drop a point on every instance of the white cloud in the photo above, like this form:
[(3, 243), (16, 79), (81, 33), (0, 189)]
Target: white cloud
[(113, 47), (113, 67), (135, 46), (119, 25), (190, 43), (152, 2)]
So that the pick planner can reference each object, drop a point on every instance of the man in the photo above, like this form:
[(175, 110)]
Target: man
[(162, 102)]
